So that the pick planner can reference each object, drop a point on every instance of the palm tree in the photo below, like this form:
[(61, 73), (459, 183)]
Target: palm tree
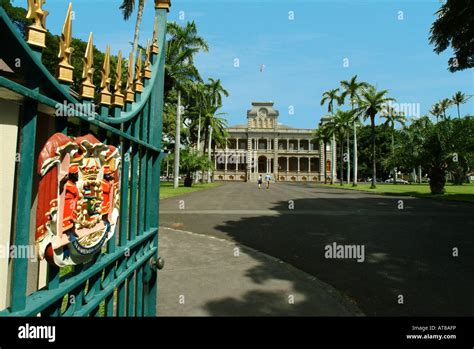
[(186, 37), (436, 111), (370, 104), (444, 104), (459, 98), (197, 105), (216, 130), (343, 122), (180, 72), (213, 120), (199, 90), (216, 90), (204, 116), (127, 8), (393, 117), (191, 163), (329, 97), (324, 134), (352, 89)]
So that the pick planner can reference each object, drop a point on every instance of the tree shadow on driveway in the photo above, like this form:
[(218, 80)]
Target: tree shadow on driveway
[(279, 289), (408, 253)]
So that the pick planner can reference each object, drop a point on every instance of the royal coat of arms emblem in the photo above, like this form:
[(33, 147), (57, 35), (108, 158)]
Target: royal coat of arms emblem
[(78, 198)]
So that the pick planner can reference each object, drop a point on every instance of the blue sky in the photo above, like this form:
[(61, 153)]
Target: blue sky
[(302, 57)]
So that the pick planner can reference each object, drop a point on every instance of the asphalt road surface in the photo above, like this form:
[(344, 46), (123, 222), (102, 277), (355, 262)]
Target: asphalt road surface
[(409, 267)]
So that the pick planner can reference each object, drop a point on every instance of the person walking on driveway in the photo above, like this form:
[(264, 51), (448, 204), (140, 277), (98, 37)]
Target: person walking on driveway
[(268, 178), (260, 180)]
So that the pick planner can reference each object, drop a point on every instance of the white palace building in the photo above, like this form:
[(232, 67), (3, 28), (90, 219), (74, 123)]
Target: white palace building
[(265, 146)]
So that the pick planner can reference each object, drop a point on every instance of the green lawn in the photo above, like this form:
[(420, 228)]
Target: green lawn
[(167, 190), (463, 192)]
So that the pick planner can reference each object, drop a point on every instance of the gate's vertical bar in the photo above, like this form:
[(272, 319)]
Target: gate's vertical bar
[(124, 189), (124, 223), (131, 295), (23, 208), (142, 194), (134, 180), (162, 7), (143, 172), (110, 270), (139, 310)]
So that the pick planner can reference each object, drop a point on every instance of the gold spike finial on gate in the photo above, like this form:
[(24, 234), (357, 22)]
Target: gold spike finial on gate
[(154, 45), (164, 4), (65, 69), (87, 86), (37, 31), (147, 68), (139, 72), (130, 93), (118, 98), (105, 94)]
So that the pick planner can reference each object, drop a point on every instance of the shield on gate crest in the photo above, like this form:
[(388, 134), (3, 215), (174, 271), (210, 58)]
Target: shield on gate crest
[(78, 198)]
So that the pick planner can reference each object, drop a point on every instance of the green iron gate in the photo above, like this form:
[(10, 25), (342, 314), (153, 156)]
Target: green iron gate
[(120, 280)]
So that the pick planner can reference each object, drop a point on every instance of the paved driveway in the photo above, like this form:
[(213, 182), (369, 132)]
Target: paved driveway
[(408, 252)]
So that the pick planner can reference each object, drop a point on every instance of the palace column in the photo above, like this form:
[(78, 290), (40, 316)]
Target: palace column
[(309, 165), (298, 149), (287, 144)]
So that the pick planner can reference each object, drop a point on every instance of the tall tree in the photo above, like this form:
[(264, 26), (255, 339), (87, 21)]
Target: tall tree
[(393, 117), (217, 131), (213, 120), (352, 89), (444, 104), (436, 111), (343, 122), (216, 91), (459, 98), (454, 27), (180, 72), (370, 104), (323, 134), (200, 96), (330, 97), (127, 8)]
